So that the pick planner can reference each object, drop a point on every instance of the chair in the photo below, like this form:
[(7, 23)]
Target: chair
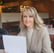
[(2, 32), (52, 41)]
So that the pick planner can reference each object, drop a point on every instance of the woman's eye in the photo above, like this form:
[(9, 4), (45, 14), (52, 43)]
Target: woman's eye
[(30, 16), (24, 16), (27, 16)]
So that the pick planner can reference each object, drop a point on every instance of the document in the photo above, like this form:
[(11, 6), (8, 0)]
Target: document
[(14, 44)]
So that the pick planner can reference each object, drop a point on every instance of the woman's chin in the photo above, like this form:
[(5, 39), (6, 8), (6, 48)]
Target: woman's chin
[(28, 26)]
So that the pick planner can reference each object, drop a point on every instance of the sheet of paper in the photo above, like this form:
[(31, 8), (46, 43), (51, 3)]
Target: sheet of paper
[(14, 44)]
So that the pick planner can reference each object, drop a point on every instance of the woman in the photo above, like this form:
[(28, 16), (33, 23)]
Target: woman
[(32, 27)]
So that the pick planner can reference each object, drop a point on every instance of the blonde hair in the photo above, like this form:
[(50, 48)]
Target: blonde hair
[(38, 22)]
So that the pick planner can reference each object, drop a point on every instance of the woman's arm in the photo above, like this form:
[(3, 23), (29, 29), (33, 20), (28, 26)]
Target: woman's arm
[(46, 42)]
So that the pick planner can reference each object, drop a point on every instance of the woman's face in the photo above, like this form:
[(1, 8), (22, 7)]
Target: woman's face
[(28, 19)]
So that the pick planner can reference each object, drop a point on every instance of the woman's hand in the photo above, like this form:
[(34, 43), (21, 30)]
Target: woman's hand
[(5, 51)]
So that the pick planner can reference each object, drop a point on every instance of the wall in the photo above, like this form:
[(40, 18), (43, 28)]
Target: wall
[(0, 22), (10, 17), (44, 15)]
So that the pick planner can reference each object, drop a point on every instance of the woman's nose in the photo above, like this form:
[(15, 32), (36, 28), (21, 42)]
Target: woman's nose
[(27, 17)]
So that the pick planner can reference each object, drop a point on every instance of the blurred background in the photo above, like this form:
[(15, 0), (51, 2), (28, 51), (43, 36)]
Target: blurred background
[(10, 15)]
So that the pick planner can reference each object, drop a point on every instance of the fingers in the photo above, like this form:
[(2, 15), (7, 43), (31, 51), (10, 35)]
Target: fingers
[(5, 51)]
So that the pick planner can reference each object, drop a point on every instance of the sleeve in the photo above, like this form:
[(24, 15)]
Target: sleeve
[(46, 43)]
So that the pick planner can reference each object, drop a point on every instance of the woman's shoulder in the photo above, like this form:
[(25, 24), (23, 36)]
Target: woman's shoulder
[(44, 28), (44, 31)]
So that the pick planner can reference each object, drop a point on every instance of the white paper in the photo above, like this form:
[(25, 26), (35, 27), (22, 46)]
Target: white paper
[(14, 44)]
